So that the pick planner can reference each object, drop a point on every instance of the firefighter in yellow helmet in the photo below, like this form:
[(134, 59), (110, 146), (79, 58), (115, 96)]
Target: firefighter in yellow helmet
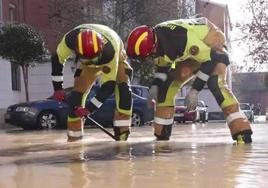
[(181, 48), (99, 52)]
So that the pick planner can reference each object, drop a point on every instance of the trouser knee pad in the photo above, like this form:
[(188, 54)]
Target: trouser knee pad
[(216, 88), (220, 90), (74, 100), (125, 96)]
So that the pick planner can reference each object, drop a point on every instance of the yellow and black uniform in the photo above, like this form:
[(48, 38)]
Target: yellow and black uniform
[(110, 67), (199, 41), (181, 40)]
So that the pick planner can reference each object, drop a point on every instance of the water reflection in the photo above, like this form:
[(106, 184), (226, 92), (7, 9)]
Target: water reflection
[(200, 159), (140, 164)]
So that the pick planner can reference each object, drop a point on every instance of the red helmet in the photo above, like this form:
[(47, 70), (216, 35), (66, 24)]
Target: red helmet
[(89, 44), (141, 41)]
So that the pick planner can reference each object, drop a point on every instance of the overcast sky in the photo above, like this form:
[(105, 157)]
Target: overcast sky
[(234, 8), (236, 14)]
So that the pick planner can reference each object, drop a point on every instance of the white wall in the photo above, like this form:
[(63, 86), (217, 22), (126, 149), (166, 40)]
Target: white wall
[(206, 96), (40, 84), (7, 96), (1, 12), (210, 100)]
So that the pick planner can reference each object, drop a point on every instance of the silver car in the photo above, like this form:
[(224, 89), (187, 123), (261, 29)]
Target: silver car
[(248, 111), (266, 113)]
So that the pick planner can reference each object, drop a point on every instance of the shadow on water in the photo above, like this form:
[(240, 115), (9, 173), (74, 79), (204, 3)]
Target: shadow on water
[(71, 153), (101, 151)]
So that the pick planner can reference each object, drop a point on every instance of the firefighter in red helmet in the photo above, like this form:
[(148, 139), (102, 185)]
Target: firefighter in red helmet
[(98, 52), (183, 49), (141, 42)]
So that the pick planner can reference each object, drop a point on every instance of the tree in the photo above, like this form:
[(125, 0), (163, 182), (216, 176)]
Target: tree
[(152, 12), (266, 81), (120, 15), (186, 8), (64, 15), (22, 45), (254, 32), (143, 71)]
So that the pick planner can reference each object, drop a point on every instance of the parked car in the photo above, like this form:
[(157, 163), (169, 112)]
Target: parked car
[(182, 115), (202, 111), (49, 114), (266, 113), (248, 111)]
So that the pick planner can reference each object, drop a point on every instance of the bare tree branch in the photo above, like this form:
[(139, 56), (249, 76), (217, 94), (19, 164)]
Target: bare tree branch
[(254, 34)]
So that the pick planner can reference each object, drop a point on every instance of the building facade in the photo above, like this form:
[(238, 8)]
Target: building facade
[(10, 90), (10, 76), (39, 14), (252, 88), (53, 18), (219, 15)]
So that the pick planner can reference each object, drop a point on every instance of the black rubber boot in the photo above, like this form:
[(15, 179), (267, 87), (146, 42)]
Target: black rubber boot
[(243, 137), (165, 133), (121, 136)]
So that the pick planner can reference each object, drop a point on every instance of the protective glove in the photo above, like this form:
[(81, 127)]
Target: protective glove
[(81, 111), (191, 100), (153, 92), (59, 95)]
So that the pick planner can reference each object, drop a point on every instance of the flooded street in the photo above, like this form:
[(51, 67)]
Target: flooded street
[(198, 155)]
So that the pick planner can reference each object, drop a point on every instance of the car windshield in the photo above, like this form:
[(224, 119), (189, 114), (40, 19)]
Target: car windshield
[(140, 91), (244, 107), (201, 104), (179, 102)]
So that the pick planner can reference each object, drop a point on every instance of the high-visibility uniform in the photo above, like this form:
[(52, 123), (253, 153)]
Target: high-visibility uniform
[(111, 68), (196, 44)]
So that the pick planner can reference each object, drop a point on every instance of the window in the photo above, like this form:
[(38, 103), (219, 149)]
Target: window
[(180, 102), (12, 13), (141, 91), (1, 13), (137, 91), (15, 77), (201, 104), (244, 106)]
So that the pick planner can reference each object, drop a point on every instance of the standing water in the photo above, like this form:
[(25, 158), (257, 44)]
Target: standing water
[(198, 155)]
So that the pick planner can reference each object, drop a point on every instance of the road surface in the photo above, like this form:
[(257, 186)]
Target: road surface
[(198, 155)]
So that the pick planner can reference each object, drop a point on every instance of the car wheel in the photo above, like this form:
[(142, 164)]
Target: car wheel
[(47, 120), (203, 117), (136, 119), (251, 119)]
